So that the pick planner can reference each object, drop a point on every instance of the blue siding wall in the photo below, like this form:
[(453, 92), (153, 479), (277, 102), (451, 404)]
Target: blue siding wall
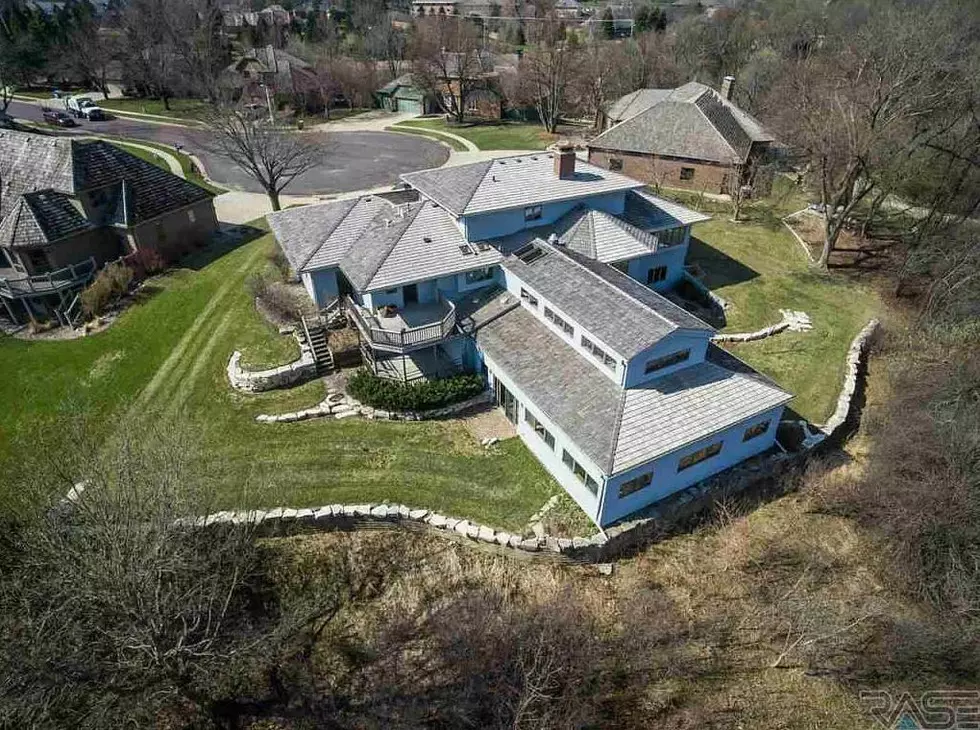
[(504, 222), (666, 478), (321, 286), (696, 342), (673, 258)]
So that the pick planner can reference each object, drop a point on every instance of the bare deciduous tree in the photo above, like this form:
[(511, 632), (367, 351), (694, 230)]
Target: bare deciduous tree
[(546, 71), (273, 157), (447, 61)]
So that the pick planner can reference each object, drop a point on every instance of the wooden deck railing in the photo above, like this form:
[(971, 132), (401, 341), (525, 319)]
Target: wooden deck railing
[(408, 338), (52, 281)]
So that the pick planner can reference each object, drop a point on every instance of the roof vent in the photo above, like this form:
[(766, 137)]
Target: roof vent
[(426, 239), (554, 240)]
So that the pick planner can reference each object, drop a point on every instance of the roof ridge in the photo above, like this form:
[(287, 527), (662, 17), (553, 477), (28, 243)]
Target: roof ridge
[(333, 228), (390, 246), (622, 292), (26, 203), (711, 124), (620, 411)]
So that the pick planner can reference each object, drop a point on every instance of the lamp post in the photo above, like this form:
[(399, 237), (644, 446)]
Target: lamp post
[(268, 102)]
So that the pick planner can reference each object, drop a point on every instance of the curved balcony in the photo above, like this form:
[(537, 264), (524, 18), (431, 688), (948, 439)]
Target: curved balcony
[(22, 285), (408, 328)]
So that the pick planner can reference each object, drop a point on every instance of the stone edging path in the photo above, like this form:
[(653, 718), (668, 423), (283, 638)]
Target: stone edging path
[(792, 321)]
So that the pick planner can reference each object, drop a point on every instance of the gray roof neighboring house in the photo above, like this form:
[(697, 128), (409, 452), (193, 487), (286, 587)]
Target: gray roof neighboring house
[(40, 176), (601, 299), (618, 428), (513, 182), (692, 121), (40, 218)]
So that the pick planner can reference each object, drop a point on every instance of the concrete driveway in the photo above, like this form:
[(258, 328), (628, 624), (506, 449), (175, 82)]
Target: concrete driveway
[(352, 160)]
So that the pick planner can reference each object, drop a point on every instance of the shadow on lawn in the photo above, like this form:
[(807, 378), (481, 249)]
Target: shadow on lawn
[(227, 239), (719, 268)]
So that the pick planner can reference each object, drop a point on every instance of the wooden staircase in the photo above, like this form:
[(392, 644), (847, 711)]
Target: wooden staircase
[(316, 338)]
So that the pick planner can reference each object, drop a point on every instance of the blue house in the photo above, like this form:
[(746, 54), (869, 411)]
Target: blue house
[(542, 273)]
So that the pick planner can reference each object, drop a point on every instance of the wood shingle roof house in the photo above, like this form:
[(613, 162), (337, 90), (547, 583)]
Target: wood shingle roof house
[(547, 276), (688, 137), (67, 206)]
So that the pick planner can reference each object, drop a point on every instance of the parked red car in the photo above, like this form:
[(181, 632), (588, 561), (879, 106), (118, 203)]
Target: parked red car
[(59, 119)]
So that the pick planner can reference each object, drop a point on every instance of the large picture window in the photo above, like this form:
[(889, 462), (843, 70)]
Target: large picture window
[(700, 455)]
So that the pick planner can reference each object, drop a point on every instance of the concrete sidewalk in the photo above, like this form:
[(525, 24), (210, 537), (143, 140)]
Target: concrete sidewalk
[(373, 121)]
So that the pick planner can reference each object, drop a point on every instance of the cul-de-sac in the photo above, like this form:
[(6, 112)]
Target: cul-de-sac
[(444, 363)]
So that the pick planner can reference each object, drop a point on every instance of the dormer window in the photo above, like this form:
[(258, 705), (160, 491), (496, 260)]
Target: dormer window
[(532, 213)]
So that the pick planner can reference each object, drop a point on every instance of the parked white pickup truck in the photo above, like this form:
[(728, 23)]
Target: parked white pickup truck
[(83, 106)]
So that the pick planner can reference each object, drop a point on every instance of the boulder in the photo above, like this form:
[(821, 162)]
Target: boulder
[(418, 514), (436, 520), (485, 534)]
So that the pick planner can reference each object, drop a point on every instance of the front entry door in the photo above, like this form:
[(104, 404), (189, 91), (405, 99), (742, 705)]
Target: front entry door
[(506, 400), (411, 294)]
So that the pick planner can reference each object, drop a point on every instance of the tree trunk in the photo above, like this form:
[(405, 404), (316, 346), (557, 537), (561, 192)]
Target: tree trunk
[(273, 198)]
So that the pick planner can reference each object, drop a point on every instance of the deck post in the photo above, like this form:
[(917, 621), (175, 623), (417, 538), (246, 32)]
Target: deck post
[(404, 371), (10, 311)]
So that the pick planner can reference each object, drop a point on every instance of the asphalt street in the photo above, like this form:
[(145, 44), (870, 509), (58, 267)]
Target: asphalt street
[(351, 160)]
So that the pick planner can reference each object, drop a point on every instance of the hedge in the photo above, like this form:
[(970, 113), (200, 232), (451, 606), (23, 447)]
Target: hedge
[(425, 395)]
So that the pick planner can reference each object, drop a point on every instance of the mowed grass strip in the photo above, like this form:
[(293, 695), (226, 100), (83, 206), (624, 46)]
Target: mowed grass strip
[(491, 136), (165, 359)]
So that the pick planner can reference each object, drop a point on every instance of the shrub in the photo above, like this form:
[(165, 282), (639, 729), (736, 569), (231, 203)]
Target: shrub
[(110, 284), (274, 296), (390, 395), (281, 264), (146, 262)]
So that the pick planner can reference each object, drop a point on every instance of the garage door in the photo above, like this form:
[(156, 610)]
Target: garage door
[(413, 106)]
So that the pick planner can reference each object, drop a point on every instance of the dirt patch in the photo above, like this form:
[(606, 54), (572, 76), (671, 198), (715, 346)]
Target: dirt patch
[(853, 252), (485, 422)]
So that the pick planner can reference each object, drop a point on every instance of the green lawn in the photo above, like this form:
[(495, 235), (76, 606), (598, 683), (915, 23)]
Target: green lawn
[(166, 359), (187, 109), (760, 268), (492, 136), (455, 144)]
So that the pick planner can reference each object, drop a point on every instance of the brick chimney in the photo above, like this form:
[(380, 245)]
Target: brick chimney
[(565, 160), (727, 85)]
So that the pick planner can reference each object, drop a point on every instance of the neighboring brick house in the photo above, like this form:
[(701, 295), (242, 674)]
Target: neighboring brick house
[(287, 77), (689, 137), (69, 206)]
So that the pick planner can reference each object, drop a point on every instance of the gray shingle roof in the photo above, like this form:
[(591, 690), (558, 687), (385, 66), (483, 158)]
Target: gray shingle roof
[(565, 387), (691, 121), (346, 233), (369, 251), (602, 300), (623, 428), (431, 246), (600, 235), (31, 163), (513, 182), (665, 414), (649, 212), (301, 232), (677, 316)]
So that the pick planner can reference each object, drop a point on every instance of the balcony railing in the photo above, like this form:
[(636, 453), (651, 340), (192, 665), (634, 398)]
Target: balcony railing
[(51, 282), (400, 338)]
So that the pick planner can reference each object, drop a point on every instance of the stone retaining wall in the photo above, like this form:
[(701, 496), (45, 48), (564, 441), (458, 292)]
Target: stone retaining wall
[(340, 405), (855, 358), (795, 321), (256, 381)]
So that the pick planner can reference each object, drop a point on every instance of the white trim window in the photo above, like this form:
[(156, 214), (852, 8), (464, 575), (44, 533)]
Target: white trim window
[(579, 471)]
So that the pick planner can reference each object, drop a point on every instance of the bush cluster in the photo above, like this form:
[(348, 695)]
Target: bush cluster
[(276, 298), (110, 284), (390, 395)]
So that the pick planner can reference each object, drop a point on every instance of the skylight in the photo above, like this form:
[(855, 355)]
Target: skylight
[(529, 253)]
